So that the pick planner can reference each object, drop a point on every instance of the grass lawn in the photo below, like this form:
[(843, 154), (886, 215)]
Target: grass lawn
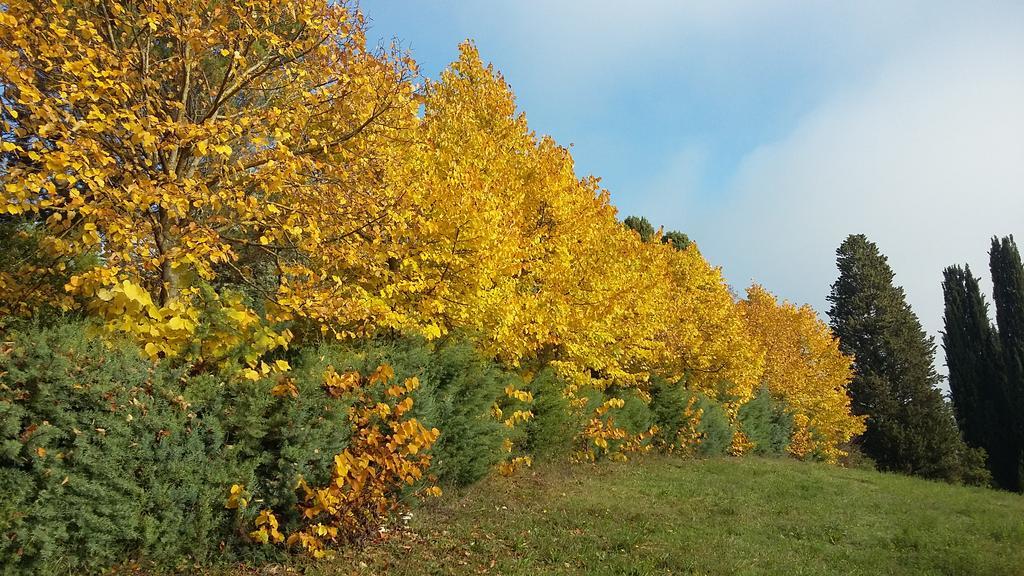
[(661, 515)]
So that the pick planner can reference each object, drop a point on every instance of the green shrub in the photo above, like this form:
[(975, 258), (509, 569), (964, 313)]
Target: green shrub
[(103, 459), (279, 439), (668, 409), (555, 424), (766, 423), (636, 416), (715, 429), (855, 458), (462, 387), (973, 469), (457, 389), (107, 457)]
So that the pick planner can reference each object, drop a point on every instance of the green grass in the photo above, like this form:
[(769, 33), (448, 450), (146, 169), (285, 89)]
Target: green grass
[(661, 515)]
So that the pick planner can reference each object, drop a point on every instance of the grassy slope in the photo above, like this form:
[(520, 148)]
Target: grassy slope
[(721, 516)]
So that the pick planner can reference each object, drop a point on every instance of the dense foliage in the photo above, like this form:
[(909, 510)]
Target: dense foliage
[(109, 457)]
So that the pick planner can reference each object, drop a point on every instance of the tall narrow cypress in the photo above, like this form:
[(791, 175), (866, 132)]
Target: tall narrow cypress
[(910, 428), (976, 380), (1008, 293)]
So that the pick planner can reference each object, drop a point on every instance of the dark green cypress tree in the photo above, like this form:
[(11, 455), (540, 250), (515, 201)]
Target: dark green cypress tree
[(910, 428), (1008, 293), (976, 381)]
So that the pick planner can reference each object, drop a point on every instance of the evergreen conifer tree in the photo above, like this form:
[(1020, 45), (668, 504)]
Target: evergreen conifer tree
[(641, 225), (678, 240), (976, 380), (1008, 293), (910, 428)]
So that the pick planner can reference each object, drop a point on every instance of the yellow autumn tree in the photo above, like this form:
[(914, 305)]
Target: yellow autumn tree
[(511, 245), (804, 367), (237, 145), (464, 179), (709, 342)]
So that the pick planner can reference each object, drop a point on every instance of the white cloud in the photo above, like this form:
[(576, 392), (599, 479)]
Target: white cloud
[(926, 158)]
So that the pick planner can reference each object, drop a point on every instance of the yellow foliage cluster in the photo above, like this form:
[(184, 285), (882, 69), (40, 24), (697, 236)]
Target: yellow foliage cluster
[(184, 143), (602, 437), (804, 367), (388, 451)]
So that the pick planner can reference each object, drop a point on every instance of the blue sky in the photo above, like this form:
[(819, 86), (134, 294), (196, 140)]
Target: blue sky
[(625, 110), (770, 130)]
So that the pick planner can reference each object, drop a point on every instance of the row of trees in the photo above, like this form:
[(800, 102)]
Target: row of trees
[(910, 427), (986, 363), (222, 183)]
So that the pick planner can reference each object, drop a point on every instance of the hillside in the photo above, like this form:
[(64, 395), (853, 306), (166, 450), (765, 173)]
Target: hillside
[(715, 516)]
